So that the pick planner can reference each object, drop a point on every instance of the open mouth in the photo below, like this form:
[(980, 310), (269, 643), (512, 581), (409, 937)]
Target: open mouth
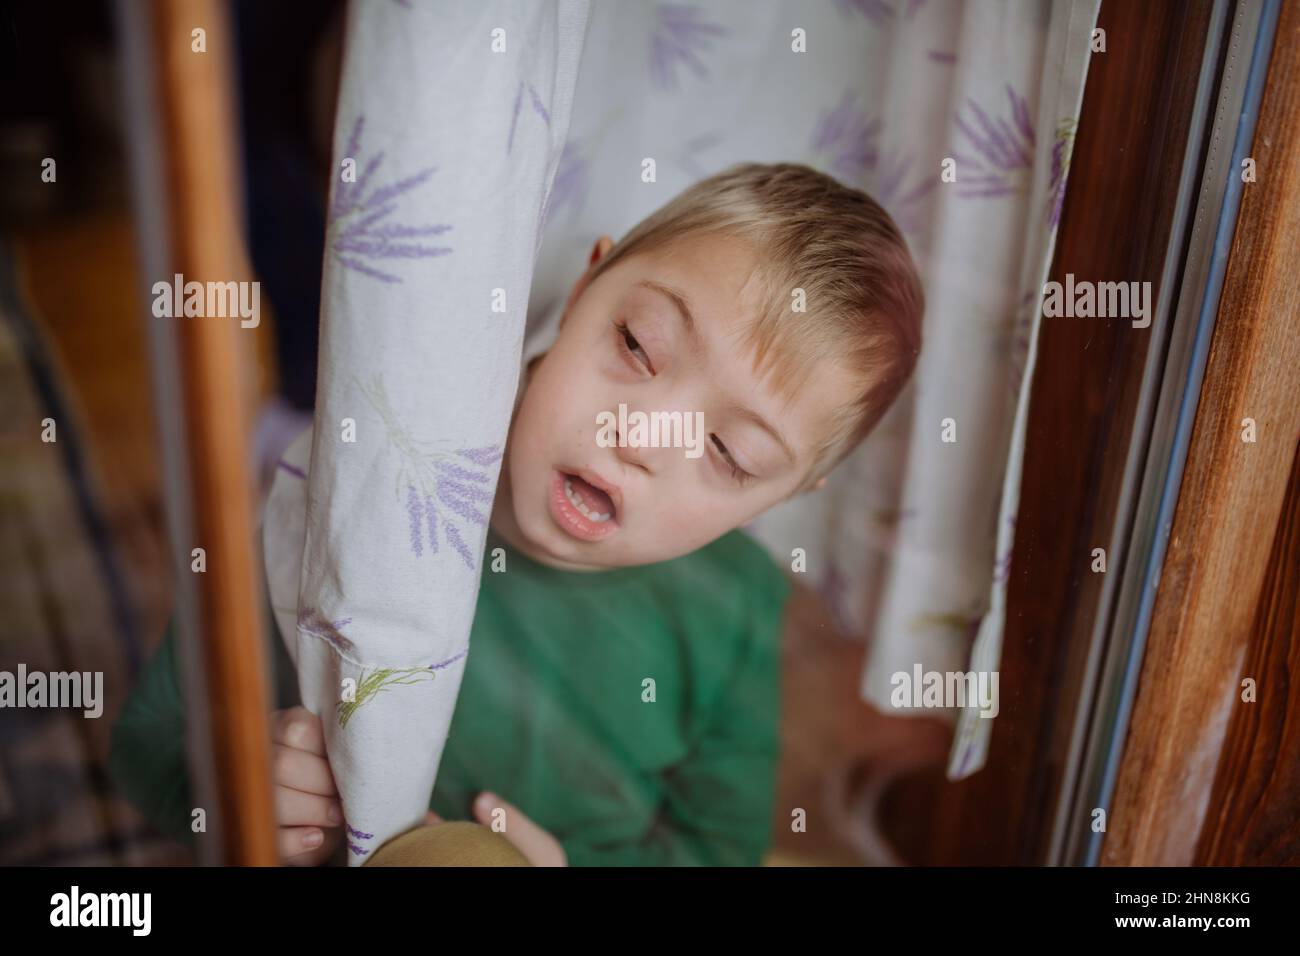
[(580, 508)]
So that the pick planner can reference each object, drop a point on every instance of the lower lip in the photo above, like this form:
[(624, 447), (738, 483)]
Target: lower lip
[(572, 521)]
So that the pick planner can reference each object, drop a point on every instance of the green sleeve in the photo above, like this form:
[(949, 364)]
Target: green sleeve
[(147, 755), (719, 802)]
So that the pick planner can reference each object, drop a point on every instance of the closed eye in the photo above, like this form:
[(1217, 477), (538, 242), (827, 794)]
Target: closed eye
[(738, 473), (631, 348)]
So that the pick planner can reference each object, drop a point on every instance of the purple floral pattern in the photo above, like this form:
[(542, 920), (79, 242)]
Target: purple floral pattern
[(1021, 327), (848, 140), (311, 621), (1001, 150), (361, 234), (356, 834), (1062, 148), (538, 107), (689, 158), (375, 682), (901, 193), (680, 35), (441, 487), (291, 469)]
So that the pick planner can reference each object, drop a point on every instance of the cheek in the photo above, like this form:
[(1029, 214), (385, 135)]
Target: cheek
[(697, 516), (718, 510), (552, 405)]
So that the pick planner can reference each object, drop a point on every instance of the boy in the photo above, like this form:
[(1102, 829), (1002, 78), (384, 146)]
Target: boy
[(622, 690)]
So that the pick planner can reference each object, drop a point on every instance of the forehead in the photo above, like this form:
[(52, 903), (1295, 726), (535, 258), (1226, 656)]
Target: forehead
[(725, 288)]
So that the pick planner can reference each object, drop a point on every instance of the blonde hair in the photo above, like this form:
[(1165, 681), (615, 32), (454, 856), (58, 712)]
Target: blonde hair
[(863, 296)]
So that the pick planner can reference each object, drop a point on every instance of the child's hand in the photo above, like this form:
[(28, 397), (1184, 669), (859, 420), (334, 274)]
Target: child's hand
[(307, 808), (528, 838)]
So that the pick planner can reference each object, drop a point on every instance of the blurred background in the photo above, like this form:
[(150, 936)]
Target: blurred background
[(88, 584)]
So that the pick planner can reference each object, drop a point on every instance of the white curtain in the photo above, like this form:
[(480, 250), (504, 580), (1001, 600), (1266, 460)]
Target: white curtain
[(461, 154), (910, 542), (450, 123)]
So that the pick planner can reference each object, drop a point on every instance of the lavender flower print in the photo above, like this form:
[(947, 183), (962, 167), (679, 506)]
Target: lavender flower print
[(1001, 150), (689, 157), (361, 234), (1062, 148), (901, 193), (678, 39), (355, 834), (311, 621), (1021, 327), (443, 492), (849, 142), (537, 106), (848, 139), (375, 682)]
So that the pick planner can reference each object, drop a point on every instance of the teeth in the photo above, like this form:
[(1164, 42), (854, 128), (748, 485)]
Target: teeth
[(577, 502)]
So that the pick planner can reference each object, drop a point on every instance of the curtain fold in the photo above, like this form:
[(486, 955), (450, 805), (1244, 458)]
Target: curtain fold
[(451, 120)]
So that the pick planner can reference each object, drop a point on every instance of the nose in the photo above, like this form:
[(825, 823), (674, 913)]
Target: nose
[(633, 456)]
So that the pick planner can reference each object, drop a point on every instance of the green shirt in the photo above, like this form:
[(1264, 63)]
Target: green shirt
[(632, 713)]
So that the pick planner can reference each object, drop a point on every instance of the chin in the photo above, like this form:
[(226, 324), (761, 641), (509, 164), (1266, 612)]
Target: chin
[(546, 543)]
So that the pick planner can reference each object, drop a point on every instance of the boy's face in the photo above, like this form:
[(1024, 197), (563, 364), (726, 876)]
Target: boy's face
[(567, 500)]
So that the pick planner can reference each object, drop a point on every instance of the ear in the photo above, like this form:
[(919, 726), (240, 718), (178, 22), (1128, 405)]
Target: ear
[(600, 249), (598, 252)]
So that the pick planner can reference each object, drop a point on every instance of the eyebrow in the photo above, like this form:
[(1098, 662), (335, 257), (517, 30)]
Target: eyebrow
[(678, 299), (754, 418)]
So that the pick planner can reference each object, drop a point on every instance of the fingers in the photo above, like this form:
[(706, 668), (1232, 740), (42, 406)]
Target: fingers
[(528, 838), (300, 770), (306, 846), (431, 818), (307, 810), (299, 728), (296, 808)]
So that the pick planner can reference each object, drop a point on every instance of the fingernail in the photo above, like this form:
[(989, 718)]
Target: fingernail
[(313, 839), (486, 799), (334, 814)]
